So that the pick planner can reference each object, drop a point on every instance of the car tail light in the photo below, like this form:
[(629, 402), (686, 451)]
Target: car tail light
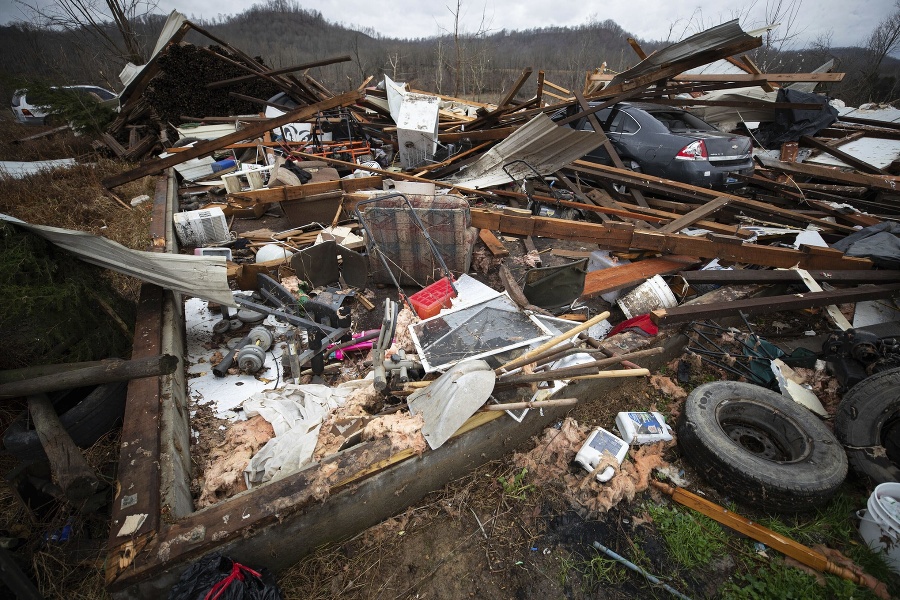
[(26, 112), (693, 151)]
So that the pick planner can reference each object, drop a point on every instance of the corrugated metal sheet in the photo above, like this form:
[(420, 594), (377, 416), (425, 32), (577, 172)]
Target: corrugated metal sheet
[(714, 38), (201, 276), (541, 143)]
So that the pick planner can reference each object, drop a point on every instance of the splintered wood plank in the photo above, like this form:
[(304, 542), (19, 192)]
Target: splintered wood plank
[(623, 236), (695, 215), (493, 244), (770, 304), (622, 276), (530, 248)]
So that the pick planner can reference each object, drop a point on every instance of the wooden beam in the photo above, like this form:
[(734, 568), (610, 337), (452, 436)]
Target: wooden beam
[(684, 190), (622, 236), (493, 244), (637, 48), (623, 276), (695, 215), (307, 190), (856, 163), (251, 131), (511, 94), (746, 78), (757, 104), (751, 66), (751, 276), (770, 304), (889, 183), (318, 63)]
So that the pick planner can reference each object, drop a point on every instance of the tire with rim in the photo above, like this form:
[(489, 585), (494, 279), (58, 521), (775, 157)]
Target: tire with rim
[(760, 448), (868, 424)]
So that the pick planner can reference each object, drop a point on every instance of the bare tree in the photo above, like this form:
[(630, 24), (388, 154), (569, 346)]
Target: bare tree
[(110, 22), (469, 57), (884, 40)]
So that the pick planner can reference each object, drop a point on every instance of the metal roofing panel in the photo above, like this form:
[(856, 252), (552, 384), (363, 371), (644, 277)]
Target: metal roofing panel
[(201, 276), (541, 143)]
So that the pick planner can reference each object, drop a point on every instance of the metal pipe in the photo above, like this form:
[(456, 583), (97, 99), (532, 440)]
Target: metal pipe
[(651, 578)]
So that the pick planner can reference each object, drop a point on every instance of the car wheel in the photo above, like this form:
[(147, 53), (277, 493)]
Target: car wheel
[(868, 424), (631, 165), (760, 448)]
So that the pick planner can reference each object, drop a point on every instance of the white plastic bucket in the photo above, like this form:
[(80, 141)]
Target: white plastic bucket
[(879, 526), (649, 296)]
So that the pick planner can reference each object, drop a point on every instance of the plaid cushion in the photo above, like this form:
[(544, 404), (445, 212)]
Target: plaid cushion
[(405, 247)]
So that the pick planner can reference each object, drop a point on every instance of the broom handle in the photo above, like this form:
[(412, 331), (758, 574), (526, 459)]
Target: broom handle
[(797, 551), (529, 356)]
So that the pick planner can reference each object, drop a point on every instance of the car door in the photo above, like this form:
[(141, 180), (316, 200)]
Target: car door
[(598, 154), (623, 131)]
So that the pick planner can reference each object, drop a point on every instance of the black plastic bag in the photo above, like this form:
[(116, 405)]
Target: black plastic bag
[(217, 577)]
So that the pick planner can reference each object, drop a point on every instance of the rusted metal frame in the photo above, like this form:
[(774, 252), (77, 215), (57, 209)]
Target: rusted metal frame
[(852, 161), (271, 73)]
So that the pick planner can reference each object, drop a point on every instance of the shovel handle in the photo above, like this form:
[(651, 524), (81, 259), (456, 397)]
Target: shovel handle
[(529, 356)]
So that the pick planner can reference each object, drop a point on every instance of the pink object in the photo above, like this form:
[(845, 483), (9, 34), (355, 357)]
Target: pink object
[(339, 354)]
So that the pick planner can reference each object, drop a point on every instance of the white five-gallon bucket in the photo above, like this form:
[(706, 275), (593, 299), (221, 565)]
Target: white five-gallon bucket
[(879, 524), (649, 296)]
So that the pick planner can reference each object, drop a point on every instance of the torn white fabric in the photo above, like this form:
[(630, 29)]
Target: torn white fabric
[(296, 413)]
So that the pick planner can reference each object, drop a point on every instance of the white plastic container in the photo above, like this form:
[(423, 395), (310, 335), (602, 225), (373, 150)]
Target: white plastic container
[(643, 427), (649, 296), (879, 525), (592, 451)]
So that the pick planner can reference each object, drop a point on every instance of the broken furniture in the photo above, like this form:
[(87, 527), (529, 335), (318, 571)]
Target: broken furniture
[(418, 239)]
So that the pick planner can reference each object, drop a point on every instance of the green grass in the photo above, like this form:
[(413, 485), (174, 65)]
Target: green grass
[(591, 573), (692, 539), (516, 486)]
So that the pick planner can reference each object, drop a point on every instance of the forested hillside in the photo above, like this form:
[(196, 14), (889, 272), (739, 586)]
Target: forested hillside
[(477, 65)]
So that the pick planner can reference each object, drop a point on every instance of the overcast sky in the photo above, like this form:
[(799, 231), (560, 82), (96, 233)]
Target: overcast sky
[(848, 21)]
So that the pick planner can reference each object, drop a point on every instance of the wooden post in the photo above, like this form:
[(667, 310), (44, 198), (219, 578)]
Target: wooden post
[(71, 471)]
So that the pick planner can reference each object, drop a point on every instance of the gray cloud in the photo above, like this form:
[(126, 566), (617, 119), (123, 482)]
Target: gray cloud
[(849, 22)]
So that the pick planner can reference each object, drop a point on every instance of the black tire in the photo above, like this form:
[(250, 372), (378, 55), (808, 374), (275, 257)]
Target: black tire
[(92, 417), (868, 424), (760, 448)]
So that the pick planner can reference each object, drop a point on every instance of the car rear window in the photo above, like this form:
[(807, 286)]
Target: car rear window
[(681, 121)]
